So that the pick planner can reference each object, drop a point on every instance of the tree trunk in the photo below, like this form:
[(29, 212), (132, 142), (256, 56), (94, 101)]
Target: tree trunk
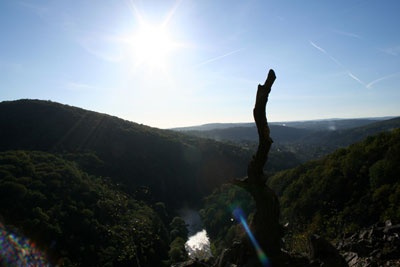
[(265, 224)]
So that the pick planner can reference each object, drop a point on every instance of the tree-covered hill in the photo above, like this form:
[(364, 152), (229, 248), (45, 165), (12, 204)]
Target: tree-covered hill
[(313, 125), (174, 166), (303, 140), (70, 176), (248, 133), (321, 143), (347, 190), (76, 218), (85, 186), (348, 136), (340, 132), (351, 188)]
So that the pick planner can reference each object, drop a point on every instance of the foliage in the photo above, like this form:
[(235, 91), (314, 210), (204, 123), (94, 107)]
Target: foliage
[(178, 228), (79, 219), (96, 199), (177, 252), (351, 188), (132, 155), (217, 214), (298, 141), (347, 190)]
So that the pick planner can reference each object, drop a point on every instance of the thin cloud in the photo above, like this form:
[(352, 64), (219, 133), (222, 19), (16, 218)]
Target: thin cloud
[(79, 86), (11, 66), (371, 84), (172, 12), (350, 74), (103, 47), (393, 51), (355, 78), (218, 57), (318, 47), (37, 9), (348, 34), (326, 53), (280, 18)]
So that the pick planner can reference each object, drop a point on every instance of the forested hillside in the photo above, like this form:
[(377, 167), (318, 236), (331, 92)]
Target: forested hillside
[(248, 133), (132, 155), (76, 218), (304, 141), (349, 189), (94, 190)]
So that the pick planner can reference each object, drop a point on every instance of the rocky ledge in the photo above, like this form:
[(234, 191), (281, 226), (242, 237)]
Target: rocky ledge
[(378, 245)]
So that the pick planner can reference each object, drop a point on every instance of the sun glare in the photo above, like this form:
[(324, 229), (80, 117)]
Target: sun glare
[(152, 46), (151, 42)]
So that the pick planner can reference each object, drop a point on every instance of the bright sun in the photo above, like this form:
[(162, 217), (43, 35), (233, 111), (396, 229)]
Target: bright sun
[(152, 46)]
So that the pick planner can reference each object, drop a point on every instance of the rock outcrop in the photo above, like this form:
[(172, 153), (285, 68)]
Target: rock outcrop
[(324, 253), (378, 245)]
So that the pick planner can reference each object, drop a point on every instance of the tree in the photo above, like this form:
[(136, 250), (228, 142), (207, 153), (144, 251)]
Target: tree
[(265, 224)]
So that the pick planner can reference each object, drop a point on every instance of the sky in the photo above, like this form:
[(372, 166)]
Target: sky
[(189, 62)]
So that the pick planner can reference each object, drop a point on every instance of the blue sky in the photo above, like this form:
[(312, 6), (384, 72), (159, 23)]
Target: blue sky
[(333, 59)]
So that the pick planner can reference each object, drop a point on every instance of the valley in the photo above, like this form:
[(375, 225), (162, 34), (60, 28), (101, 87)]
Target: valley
[(69, 175)]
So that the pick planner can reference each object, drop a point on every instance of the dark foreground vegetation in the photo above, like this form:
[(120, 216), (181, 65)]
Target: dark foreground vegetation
[(351, 188), (90, 189), (75, 217), (130, 154), (348, 190)]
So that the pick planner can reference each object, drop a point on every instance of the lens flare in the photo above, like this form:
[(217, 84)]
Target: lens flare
[(241, 218), (19, 251)]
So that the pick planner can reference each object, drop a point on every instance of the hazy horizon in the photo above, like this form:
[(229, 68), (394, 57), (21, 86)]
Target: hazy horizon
[(222, 122), (293, 121)]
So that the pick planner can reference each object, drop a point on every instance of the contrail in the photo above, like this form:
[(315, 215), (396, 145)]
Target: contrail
[(393, 51), (351, 75), (349, 34), (369, 85), (172, 12), (218, 57), (319, 48), (326, 53), (136, 12), (356, 78)]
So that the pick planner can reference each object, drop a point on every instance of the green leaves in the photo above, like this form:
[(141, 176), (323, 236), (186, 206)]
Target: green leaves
[(75, 216), (353, 187), (217, 214)]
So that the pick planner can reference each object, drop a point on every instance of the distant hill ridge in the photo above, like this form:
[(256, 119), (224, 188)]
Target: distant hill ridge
[(322, 124), (307, 139)]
